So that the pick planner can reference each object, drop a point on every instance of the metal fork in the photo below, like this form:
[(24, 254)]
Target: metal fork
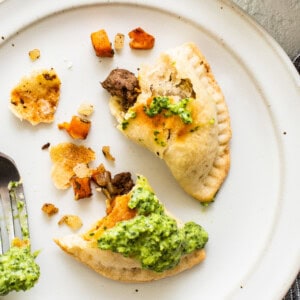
[(13, 211)]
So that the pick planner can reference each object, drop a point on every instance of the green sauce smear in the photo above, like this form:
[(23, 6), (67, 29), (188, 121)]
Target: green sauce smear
[(18, 270), (163, 104), (152, 237)]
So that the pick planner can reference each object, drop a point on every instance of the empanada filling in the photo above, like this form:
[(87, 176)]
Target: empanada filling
[(178, 88), (124, 84)]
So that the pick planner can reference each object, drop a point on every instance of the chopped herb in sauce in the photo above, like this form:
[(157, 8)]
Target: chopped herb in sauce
[(18, 270), (157, 139), (163, 105)]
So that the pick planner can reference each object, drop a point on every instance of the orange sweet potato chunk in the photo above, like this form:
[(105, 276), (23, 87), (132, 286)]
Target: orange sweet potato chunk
[(117, 212), (78, 128), (81, 187), (102, 44), (140, 39)]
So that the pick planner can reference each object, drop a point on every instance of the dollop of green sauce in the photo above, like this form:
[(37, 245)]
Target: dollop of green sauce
[(163, 104), (18, 270), (152, 237)]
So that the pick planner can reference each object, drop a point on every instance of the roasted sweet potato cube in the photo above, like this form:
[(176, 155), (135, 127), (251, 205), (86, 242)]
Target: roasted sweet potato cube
[(78, 128), (81, 187), (102, 44), (117, 211), (140, 39)]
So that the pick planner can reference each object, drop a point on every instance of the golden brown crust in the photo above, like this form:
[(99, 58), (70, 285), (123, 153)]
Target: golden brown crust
[(36, 97), (115, 266), (197, 154), (65, 157)]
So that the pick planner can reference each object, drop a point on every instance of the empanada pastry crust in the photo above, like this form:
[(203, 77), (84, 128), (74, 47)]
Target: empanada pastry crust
[(117, 267), (197, 153)]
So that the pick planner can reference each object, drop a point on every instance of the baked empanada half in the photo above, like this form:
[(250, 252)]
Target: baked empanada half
[(180, 114), (138, 240)]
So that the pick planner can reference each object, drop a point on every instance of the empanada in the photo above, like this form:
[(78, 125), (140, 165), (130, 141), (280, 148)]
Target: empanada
[(138, 241), (180, 115)]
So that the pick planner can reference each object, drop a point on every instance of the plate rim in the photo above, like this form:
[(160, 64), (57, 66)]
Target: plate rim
[(283, 59)]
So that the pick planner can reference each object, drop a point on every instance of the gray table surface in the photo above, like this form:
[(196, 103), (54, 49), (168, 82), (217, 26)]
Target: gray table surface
[(281, 19)]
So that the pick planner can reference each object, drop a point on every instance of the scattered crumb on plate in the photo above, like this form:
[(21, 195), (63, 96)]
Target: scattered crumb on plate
[(107, 154), (85, 109), (119, 41), (73, 221), (49, 209), (34, 54)]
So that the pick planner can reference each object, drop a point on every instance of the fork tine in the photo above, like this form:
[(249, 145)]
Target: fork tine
[(13, 211), (2, 228), (20, 211), (7, 231)]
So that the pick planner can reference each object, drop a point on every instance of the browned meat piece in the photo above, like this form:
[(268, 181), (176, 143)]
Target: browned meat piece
[(122, 183), (124, 84), (81, 187), (101, 176)]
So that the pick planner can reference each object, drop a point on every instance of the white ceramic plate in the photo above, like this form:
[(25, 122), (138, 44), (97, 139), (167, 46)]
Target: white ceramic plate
[(254, 247)]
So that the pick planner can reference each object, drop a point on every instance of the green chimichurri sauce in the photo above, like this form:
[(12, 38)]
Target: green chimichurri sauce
[(18, 270), (152, 237), (163, 104)]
